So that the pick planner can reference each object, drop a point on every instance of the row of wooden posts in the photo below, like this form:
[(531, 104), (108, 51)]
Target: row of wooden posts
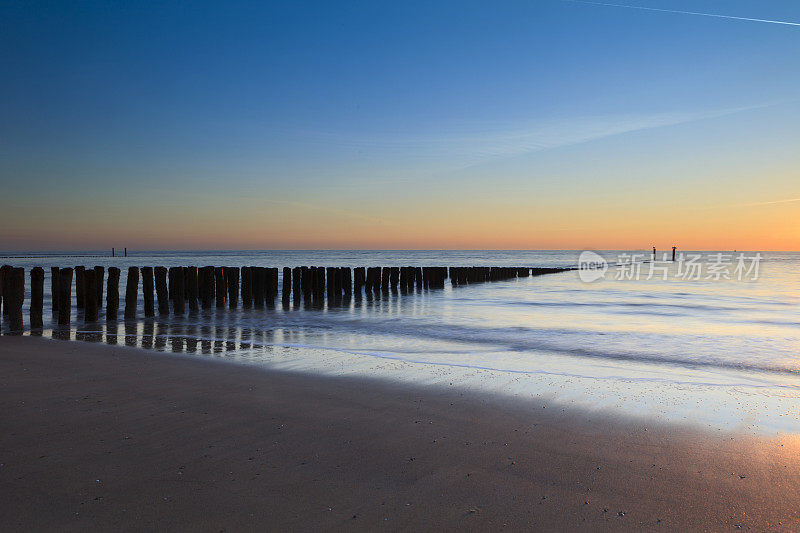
[(206, 287)]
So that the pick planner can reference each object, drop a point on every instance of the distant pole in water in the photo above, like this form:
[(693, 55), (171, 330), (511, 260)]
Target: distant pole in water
[(654, 253), (126, 252), (673, 253), (112, 252)]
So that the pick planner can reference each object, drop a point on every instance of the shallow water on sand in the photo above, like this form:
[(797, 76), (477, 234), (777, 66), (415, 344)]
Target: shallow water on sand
[(719, 353)]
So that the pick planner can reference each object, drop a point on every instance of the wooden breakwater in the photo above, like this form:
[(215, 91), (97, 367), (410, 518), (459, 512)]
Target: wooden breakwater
[(178, 289)]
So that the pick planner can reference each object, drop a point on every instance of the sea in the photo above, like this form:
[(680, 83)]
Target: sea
[(711, 339)]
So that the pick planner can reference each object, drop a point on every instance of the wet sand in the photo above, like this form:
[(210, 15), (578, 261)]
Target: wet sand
[(99, 437)]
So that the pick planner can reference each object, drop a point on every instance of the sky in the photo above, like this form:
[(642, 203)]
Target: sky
[(546, 124)]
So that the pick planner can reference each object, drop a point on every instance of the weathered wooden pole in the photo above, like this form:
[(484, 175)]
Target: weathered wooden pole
[(16, 296), (347, 281), (207, 287), (162, 292), (148, 287), (287, 284), (37, 297), (259, 280), (359, 278), (131, 293), (191, 288), (418, 278), (64, 295), (296, 285), (385, 275), (112, 293), (232, 284), (99, 276), (90, 292), (176, 287), (222, 289), (54, 289), (5, 293), (247, 287), (80, 290)]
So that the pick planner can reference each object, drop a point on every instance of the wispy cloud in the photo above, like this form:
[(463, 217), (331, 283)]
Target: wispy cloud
[(463, 150), (772, 202), (680, 12)]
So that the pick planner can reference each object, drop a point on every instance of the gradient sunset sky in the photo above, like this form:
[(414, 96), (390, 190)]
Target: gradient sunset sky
[(530, 124)]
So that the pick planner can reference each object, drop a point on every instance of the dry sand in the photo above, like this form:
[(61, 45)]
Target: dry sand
[(98, 437)]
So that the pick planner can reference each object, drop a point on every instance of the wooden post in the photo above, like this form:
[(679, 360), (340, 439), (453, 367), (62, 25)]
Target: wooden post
[(296, 285), (37, 297), (148, 286), (176, 287), (80, 291), (219, 280), (191, 288), (347, 281), (385, 274), (247, 287), (131, 293), (64, 295), (16, 296), (90, 291), (112, 293), (287, 284), (207, 286), (259, 277), (359, 278), (232, 280), (54, 289), (99, 276), (6, 288), (162, 292)]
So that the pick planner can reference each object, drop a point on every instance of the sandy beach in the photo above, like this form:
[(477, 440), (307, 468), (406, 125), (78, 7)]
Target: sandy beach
[(98, 437)]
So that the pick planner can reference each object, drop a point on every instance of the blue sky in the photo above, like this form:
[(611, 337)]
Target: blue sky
[(359, 115)]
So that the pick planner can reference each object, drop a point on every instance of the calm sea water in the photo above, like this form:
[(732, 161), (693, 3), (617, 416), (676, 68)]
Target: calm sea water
[(722, 353)]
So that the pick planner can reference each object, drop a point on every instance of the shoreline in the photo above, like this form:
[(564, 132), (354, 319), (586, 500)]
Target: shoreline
[(103, 436)]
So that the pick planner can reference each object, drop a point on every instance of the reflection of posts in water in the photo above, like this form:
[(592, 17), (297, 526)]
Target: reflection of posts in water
[(206, 332), (90, 297), (64, 295), (53, 289), (148, 329), (131, 293), (161, 333), (176, 341), (191, 337), (111, 327), (37, 297), (112, 294), (148, 290), (131, 333)]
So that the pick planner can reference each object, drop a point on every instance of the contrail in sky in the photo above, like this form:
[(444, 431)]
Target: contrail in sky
[(782, 22)]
